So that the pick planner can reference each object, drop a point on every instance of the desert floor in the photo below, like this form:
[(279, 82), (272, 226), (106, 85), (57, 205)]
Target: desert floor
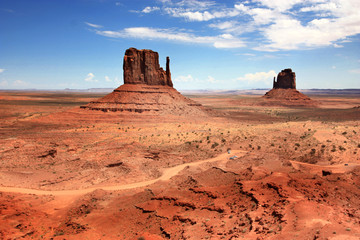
[(256, 170)]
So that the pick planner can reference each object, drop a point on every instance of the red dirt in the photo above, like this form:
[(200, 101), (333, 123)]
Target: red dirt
[(296, 175)]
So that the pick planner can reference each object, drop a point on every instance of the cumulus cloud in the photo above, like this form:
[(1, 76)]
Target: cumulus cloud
[(93, 25), (187, 78), (196, 15), (150, 9), (90, 77), (107, 79), (210, 79), (329, 23), (355, 71), (20, 84), (277, 24), (266, 77), (4, 84), (220, 41), (2, 70)]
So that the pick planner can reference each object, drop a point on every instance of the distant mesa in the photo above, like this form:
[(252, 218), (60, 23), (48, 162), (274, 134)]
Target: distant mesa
[(284, 89), (147, 88)]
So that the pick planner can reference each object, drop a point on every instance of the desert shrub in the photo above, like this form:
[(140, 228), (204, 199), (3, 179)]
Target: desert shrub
[(214, 145), (313, 151), (297, 144)]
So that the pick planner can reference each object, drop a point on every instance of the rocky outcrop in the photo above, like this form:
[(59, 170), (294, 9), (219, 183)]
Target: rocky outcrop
[(142, 67), (284, 92), (147, 89), (286, 79)]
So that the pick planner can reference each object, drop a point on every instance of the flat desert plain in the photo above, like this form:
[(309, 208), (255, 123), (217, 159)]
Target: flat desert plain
[(254, 169)]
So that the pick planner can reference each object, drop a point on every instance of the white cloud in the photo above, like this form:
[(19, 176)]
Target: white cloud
[(2, 70), (210, 79), (277, 24), (194, 4), (221, 41), (93, 25), (280, 5), (192, 15), (223, 25), (266, 77), (150, 9), (356, 71), (4, 84), (187, 78), (107, 79), (342, 21), (19, 83), (90, 78)]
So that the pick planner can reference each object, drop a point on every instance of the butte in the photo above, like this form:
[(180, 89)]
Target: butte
[(147, 89), (284, 91)]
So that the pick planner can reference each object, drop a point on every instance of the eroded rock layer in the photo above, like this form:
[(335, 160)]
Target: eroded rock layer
[(141, 98)]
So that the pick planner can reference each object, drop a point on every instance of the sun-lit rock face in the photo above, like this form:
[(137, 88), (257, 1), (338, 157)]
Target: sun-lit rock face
[(285, 79), (142, 67)]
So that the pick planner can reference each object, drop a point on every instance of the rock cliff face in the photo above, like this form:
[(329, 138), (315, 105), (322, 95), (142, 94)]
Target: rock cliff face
[(285, 79), (142, 67)]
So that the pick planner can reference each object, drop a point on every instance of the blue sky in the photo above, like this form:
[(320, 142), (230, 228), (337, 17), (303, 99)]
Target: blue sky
[(57, 44)]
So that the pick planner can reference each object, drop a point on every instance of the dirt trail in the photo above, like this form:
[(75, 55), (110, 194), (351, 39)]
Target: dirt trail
[(167, 174), (312, 168)]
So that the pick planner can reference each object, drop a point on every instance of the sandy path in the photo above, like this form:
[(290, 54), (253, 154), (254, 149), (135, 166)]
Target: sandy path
[(167, 174)]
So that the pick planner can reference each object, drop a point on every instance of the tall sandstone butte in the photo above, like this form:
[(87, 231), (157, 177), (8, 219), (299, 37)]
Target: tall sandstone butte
[(147, 88), (142, 67), (284, 91), (285, 79)]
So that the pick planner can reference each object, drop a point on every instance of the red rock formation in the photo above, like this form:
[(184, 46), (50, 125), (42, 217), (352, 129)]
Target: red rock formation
[(285, 79), (147, 88), (284, 91), (142, 67)]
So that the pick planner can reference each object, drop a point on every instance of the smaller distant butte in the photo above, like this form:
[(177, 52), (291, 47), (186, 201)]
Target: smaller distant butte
[(147, 88), (284, 90)]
